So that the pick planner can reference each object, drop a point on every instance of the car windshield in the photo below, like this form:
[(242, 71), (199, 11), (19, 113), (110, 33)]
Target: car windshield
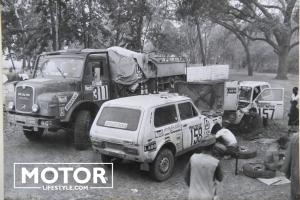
[(245, 93), (120, 118), (63, 67)]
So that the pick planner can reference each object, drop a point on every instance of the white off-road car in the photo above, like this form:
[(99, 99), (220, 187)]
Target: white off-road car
[(150, 129)]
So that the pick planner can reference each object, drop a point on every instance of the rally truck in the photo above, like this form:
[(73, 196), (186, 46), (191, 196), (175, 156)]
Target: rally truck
[(69, 86), (151, 130)]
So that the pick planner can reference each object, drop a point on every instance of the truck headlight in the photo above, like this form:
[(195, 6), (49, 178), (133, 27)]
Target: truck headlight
[(35, 108), (11, 105), (62, 99)]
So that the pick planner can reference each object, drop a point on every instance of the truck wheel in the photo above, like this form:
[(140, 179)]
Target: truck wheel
[(33, 135), (163, 165), (83, 123)]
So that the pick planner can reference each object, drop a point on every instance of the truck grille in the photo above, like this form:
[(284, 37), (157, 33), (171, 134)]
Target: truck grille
[(24, 98)]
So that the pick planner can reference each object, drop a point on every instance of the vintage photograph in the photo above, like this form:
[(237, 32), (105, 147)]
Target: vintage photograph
[(150, 99)]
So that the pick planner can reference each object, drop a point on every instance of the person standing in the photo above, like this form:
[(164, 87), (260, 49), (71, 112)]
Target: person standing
[(201, 174), (291, 166), (294, 111)]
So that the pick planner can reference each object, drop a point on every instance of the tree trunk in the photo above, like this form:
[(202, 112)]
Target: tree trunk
[(248, 61), (282, 63), (10, 56), (53, 30), (200, 42)]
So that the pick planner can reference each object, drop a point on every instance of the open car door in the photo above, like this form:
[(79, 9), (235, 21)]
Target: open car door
[(231, 95), (270, 103)]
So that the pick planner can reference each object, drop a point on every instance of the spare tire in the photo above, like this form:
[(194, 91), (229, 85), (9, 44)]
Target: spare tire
[(219, 148), (245, 153), (257, 170)]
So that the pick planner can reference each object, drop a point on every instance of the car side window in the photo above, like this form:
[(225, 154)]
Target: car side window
[(187, 110), (165, 115)]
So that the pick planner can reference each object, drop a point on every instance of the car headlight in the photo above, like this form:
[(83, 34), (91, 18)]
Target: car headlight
[(35, 108), (11, 105)]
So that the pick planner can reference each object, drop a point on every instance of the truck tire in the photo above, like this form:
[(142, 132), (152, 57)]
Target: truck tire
[(163, 165), (245, 153), (83, 123), (34, 135), (257, 170)]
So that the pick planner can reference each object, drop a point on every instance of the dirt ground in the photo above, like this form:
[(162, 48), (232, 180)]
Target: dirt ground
[(129, 182)]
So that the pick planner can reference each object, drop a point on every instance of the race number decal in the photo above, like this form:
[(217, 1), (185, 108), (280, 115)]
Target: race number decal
[(196, 134), (267, 113), (266, 110), (100, 92)]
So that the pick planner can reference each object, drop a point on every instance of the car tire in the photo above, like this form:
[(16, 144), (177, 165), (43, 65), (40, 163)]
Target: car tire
[(257, 170), (34, 135), (163, 165), (245, 153), (83, 123)]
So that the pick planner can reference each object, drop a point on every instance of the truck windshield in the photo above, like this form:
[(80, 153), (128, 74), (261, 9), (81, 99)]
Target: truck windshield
[(120, 118), (63, 67), (245, 93)]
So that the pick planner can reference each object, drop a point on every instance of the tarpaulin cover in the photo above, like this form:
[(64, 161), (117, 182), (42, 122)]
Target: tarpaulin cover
[(126, 66)]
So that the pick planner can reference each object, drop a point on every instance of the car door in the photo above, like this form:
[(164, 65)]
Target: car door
[(270, 103), (167, 126), (231, 95), (192, 130)]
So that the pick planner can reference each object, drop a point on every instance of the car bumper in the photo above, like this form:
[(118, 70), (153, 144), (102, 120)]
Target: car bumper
[(30, 121), (115, 150)]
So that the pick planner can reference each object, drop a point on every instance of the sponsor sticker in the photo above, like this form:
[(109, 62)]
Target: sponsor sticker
[(116, 124), (72, 100), (231, 90), (63, 176)]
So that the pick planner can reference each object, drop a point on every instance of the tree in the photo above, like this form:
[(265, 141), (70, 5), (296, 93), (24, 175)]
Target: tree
[(188, 10), (273, 21)]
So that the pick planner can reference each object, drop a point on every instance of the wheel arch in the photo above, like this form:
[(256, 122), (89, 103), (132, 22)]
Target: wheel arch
[(168, 145), (86, 105)]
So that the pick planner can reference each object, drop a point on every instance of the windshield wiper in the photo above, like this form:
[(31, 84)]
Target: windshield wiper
[(60, 71)]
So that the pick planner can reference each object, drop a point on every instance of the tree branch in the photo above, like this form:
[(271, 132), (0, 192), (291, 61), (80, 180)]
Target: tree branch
[(289, 10), (266, 39), (274, 7), (260, 7), (296, 28), (294, 44), (282, 4)]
